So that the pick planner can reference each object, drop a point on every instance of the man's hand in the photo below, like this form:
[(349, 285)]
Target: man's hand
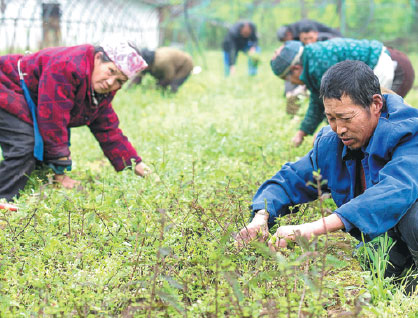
[(232, 70), (285, 233), (289, 233), (277, 52), (142, 170), (66, 181), (257, 229), (298, 138)]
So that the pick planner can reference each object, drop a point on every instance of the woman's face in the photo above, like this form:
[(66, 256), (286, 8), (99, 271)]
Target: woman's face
[(106, 77)]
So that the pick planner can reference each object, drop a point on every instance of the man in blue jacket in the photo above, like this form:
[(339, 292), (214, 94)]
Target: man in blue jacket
[(369, 157)]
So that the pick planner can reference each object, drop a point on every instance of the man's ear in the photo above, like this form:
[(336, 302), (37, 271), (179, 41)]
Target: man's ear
[(377, 103), (296, 67)]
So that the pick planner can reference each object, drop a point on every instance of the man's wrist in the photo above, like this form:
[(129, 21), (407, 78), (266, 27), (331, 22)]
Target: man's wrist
[(262, 215), (330, 223), (302, 133)]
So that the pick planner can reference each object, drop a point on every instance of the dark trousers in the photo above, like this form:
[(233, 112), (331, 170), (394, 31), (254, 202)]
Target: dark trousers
[(404, 73), (404, 252), (175, 84), (16, 142)]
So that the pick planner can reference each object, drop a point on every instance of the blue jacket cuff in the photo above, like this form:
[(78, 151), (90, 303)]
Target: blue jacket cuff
[(347, 225), (261, 206)]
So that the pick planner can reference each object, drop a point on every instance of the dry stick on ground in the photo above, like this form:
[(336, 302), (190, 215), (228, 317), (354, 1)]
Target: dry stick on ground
[(43, 240), (9, 225), (287, 293), (69, 222), (137, 258), (318, 179), (176, 200), (156, 269), (32, 216), (104, 223), (234, 300), (27, 224), (302, 298), (216, 287)]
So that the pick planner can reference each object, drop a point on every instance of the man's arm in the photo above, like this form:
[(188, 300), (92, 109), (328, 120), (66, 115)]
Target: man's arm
[(229, 46), (287, 188), (287, 233), (313, 118), (384, 203), (258, 229)]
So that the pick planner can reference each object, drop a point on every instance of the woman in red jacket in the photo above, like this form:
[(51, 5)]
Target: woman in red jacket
[(44, 94)]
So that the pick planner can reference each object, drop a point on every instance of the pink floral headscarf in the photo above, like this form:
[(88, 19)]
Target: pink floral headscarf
[(125, 57)]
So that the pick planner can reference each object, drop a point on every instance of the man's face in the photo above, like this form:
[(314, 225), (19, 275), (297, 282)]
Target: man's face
[(106, 77), (246, 31), (353, 123), (288, 36), (294, 75), (308, 37)]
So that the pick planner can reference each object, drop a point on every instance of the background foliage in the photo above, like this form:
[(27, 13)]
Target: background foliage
[(390, 21)]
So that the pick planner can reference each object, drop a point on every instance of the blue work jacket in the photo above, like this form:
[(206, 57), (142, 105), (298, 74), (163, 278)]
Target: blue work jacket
[(390, 165)]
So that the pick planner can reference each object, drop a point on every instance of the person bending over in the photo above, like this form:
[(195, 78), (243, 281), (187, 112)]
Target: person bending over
[(306, 65), (369, 157), (44, 94), (171, 67), (242, 36)]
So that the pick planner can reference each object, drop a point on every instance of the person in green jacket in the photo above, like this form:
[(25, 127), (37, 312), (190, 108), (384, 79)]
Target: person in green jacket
[(306, 64)]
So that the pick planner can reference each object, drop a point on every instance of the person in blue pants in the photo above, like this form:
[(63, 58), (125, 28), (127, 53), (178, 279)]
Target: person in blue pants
[(240, 37)]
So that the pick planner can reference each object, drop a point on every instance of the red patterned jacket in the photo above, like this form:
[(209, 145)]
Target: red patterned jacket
[(59, 80)]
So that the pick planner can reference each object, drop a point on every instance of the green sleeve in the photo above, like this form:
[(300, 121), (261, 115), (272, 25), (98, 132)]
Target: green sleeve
[(314, 115)]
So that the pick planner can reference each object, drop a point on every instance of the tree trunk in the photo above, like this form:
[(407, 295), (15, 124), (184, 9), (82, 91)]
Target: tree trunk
[(303, 9), (414, 27)]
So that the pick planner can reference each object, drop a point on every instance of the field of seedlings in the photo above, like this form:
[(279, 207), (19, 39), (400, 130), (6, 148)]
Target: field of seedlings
[(163, 246)]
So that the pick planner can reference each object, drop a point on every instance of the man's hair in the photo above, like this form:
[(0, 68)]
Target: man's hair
[(281, 32), (308, 27), (354, 79)]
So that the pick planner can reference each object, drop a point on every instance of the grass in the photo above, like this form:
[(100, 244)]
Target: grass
[(132, 247)]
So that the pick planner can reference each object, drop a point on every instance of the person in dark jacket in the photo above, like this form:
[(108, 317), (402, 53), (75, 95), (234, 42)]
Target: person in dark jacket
[(307, 31), (44, 94), (171, 67), (293, 31), (368, 158), (242, 36), (306, 64)]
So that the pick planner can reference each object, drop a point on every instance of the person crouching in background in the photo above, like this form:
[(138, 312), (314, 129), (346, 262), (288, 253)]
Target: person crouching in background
[(171, 67)]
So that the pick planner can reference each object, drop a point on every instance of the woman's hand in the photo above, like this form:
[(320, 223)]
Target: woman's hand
[(142, 170)]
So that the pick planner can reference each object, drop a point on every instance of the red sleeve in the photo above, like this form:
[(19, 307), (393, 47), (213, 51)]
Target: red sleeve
[(115, 145), (56, 94)]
